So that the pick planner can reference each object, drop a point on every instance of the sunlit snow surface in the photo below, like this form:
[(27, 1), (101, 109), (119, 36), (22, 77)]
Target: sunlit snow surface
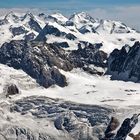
[(82, 88), (102, 34)]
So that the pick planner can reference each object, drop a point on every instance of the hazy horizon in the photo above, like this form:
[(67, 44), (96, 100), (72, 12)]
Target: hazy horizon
[(125, 11)]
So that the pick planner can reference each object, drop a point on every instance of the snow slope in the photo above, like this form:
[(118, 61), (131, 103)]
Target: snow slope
[(82, 88), (112, 34), (16, 26)]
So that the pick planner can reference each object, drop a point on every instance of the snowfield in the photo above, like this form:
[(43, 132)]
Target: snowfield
[(87, 89), (82, 88)]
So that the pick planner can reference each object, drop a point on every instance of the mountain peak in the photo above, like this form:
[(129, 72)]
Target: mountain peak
[(82, 16), (28, 16), (11, 16), (57, 17)]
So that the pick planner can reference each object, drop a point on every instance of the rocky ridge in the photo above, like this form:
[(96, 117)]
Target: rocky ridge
[(124, 64)]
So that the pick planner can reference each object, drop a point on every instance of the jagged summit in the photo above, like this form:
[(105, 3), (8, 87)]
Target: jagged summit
[(28, 16), (80, 27), (124, 63), (11, 17), (58, 17), (109, 26), (81, 17)]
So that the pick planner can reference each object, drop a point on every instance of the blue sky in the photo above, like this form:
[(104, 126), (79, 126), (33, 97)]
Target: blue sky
[(125, 10), (67, 3)]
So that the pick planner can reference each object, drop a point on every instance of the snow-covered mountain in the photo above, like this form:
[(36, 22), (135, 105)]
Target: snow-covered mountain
[(67, 32), (16, 27), (81, 27), (59, 77)]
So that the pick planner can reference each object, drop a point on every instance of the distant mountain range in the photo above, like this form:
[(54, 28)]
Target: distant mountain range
[(81, 41), (67, 32)]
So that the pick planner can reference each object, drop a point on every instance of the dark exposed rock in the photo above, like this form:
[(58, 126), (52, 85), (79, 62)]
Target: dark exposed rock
[(34, 25), (114, 123), (69, 23), (51, 30), (61, 44), (126, 127), (32, 22), (3, 21), (29, 37), (38, 60), (132, 39), (92, 70), (70, 36), (11, 90), (124, 64), (88, 55), (54, 19), (135, 136), (11, 16), (41, 15), (48, 30), (18, 30), (85, 29)]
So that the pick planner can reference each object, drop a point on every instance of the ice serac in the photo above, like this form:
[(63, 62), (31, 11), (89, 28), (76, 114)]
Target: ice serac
[(40, 61), (73, 121), (124, 64)]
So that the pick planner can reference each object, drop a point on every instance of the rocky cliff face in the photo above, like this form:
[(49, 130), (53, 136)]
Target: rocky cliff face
[(126, 127), (89, 56), (38, 60), (42, 61), (124, 64)]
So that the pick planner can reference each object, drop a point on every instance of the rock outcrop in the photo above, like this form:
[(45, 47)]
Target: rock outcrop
[(40, 61), (124, 64), (11, 89), (124, 130), (88, 56)]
